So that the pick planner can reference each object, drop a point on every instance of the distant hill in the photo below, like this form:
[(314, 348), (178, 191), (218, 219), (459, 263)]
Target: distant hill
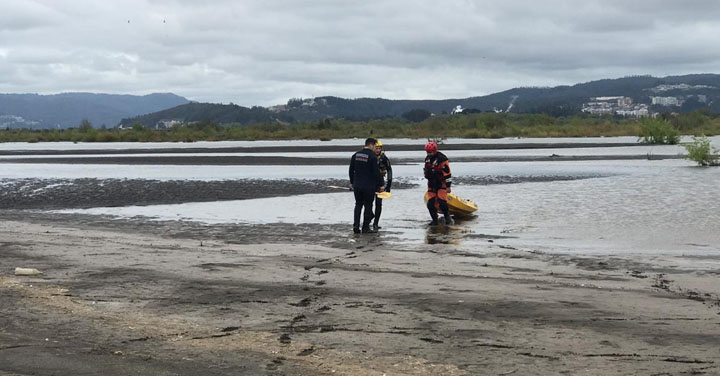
[(69, 109), (218, 113), (697, 91)]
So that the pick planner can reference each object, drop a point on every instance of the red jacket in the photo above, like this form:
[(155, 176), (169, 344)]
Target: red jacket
[(437, 171)]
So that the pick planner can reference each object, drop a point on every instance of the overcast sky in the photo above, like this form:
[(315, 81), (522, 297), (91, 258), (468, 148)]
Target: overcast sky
[(264, 52)]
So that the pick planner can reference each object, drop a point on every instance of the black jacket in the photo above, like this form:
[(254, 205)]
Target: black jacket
[(386, 170), (364, 171)]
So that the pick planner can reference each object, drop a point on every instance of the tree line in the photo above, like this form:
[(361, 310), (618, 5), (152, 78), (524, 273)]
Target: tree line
[(415, 125)]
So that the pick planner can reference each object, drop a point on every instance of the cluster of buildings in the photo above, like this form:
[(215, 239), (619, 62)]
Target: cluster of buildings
[(624, 106), (13, 121), (620, 106)]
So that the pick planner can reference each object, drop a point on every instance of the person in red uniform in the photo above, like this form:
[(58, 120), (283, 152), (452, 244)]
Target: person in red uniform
[(437, 173)]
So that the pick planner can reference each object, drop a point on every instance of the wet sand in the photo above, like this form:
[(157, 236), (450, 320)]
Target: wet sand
[(153, 298), (88, 193), (50, 194)]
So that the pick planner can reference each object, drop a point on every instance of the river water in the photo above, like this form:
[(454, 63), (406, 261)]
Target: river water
[(584, 207)]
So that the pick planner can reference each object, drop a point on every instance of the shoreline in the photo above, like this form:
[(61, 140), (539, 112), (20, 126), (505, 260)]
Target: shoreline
[(300, 161), (323, 148)]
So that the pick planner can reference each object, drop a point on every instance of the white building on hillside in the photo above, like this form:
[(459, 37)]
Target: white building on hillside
[(617, 105), (457, 110), (167, 123), (639, 110), (666, 101), (599, 108)]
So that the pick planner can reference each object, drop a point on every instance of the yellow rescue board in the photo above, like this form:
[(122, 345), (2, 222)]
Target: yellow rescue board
[(383, 195), (458, 205)]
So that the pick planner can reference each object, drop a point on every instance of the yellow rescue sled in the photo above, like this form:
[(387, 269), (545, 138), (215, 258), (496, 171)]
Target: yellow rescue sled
[(458, 206)]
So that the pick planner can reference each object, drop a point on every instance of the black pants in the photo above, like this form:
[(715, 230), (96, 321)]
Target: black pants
[(443, 206), (378, 210), (363, 198)]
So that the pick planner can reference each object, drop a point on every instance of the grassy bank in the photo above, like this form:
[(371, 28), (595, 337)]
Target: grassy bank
[(482, 125)]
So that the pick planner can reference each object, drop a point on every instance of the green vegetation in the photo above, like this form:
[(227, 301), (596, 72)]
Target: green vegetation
[(658, 131), (702, 152), (416, 115), (477, 125)]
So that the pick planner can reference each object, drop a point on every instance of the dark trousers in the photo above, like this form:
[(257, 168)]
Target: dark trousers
[(378, 210), (363, 199), (443, 206)]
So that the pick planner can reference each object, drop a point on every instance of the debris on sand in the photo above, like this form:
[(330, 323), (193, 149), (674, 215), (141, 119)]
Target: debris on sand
[(27, 271), (285, 338), (307, 351)]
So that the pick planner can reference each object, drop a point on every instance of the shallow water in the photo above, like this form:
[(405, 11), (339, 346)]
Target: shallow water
[(628, 207), (279, 143), (224, 144), (650, 208), (417, 155), (212, 172), (584, 207)]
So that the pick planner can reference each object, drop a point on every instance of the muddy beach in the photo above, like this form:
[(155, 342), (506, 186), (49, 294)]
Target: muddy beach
[(128, 296)]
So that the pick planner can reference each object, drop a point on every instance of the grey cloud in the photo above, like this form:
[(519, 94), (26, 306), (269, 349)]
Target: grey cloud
[(262, 53), (19, 16)]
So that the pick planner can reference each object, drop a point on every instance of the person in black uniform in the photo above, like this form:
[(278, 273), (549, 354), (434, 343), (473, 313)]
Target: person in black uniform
[(365, 180), (386, 172)]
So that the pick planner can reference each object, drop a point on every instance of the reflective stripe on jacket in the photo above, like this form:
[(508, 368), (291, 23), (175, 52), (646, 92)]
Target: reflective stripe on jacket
[(364, 171)]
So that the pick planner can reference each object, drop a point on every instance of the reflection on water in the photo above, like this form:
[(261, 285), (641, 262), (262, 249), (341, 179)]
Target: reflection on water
[(444, 235), (452, 234)]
